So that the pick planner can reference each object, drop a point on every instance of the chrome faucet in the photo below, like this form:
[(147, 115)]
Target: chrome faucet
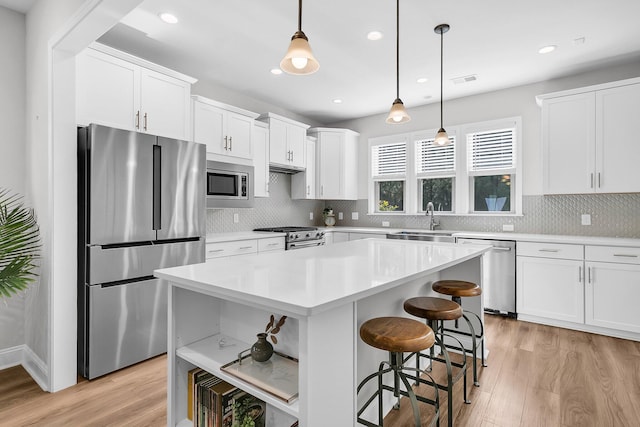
[(429, 211)]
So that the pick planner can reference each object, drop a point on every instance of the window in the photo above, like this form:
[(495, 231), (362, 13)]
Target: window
[(491, 168), (389, 167), (479, 173), (436, 170)]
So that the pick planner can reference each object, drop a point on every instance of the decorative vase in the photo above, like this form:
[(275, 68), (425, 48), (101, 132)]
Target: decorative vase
[(261, 350), (330, 220)]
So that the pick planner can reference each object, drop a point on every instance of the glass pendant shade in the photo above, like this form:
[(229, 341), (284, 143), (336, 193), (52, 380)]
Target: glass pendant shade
[(442, 138), (398, 114), (299, 58)]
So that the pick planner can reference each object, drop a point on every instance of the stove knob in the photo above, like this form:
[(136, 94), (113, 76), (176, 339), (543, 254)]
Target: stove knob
[(308, 234), (321, 234), (297, 236)]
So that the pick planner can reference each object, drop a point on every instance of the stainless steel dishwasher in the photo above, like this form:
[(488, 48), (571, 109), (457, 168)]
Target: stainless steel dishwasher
[(498, 276)]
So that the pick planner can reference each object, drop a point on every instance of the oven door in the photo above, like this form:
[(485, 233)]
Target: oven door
[(305, 244)]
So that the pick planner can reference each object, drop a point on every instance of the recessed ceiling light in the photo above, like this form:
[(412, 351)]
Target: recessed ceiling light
[(168, 18), (547, 49), (374, 35), (422, 80), (276, 71), (337, 101)]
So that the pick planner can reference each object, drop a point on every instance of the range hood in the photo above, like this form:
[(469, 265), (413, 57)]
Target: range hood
[(290, 170)]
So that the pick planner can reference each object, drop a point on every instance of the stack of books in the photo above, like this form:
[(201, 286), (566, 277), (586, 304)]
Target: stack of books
[(212, 402)]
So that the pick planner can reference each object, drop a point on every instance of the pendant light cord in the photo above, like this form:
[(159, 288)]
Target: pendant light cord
[(397, 49), (441, 79), (299, 15)]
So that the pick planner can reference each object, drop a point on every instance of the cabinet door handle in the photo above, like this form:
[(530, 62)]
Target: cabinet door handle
[(308, 190), (591, 180), (626, 255), (230, 143), (245, 247), (579, 274), (145, 121), (226, 147), (549, 250), (322, 190), (589, 271), (292, 155), (138, 119), (599, 184)]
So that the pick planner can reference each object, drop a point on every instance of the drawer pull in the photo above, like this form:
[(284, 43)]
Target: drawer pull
[(216, 250), (549, 250), (273, 244), (626, 255), (246, 247)]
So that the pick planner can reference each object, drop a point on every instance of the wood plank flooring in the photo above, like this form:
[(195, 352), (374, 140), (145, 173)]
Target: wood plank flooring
[(536, 376)]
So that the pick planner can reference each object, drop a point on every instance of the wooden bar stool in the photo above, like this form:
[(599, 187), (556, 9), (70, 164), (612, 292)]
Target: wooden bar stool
[(397, 335), (459, 289), (435, 311)]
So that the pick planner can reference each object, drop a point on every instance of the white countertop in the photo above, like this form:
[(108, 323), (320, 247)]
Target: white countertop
[(310, 281), (521, 237)]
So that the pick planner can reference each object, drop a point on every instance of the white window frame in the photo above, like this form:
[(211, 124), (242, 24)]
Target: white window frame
[(430, 135), (373, 181), (462, 179)]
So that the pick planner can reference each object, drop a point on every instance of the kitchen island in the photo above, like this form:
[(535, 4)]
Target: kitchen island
[(217, 308)]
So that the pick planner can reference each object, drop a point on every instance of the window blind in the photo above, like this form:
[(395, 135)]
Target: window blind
[(435, 159), (389, 159), (491, 151)]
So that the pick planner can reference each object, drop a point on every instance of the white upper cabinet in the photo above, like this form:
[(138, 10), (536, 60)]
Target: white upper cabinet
[(260, 140), (287, 141), (303, 184), (226, 130), (337, 163), (591, 139), (118, 90)]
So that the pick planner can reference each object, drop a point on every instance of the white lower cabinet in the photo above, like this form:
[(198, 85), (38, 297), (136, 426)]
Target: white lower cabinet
[(243, 247), (592, 288), (612, 289), (550, 288)]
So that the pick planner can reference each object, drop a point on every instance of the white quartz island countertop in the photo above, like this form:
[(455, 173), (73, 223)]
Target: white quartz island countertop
[(309, 281)]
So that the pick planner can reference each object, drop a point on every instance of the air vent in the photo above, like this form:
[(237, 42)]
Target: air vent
[(465, 79)]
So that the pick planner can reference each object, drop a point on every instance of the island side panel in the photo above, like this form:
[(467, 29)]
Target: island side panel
[(327, 368)]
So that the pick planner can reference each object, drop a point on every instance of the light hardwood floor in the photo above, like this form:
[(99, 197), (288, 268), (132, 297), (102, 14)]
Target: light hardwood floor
[(536, 376)]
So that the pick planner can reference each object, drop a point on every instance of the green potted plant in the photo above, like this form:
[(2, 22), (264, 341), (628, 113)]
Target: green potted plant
[(19, 244)]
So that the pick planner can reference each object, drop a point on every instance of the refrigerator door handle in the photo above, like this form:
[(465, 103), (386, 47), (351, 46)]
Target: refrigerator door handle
[(157, 187)]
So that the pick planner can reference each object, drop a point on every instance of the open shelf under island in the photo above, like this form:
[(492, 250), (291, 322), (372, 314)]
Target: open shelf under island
[(327, 293)]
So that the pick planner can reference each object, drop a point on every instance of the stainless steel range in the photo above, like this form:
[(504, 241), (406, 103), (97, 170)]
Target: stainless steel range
[(298, 237)]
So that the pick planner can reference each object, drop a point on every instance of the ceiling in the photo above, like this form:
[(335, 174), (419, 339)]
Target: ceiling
[(235, 44)]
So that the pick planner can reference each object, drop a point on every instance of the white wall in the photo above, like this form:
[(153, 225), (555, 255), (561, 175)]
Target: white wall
[(12, 155), (518, 101)]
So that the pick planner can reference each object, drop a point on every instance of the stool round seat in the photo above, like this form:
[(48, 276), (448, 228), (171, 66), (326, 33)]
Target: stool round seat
[(457, 288), (397, 334), (431, 308)]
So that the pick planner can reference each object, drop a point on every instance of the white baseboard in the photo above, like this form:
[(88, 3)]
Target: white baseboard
[(36, 368), (23, 355), (10, 357)]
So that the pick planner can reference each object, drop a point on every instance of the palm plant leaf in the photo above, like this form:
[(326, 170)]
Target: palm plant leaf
[(19, 244)]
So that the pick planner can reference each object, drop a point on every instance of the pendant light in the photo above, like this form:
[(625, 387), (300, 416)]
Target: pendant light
[(441, 137), (299, 58), (398, 114)]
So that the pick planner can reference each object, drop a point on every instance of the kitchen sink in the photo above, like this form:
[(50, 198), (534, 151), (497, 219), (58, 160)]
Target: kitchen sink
[(427, 236)]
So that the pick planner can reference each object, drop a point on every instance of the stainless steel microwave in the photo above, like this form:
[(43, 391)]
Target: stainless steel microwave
[(229, 185)]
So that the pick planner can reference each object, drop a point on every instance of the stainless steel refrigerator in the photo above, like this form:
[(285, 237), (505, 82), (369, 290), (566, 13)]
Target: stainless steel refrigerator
[(141, 206)]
